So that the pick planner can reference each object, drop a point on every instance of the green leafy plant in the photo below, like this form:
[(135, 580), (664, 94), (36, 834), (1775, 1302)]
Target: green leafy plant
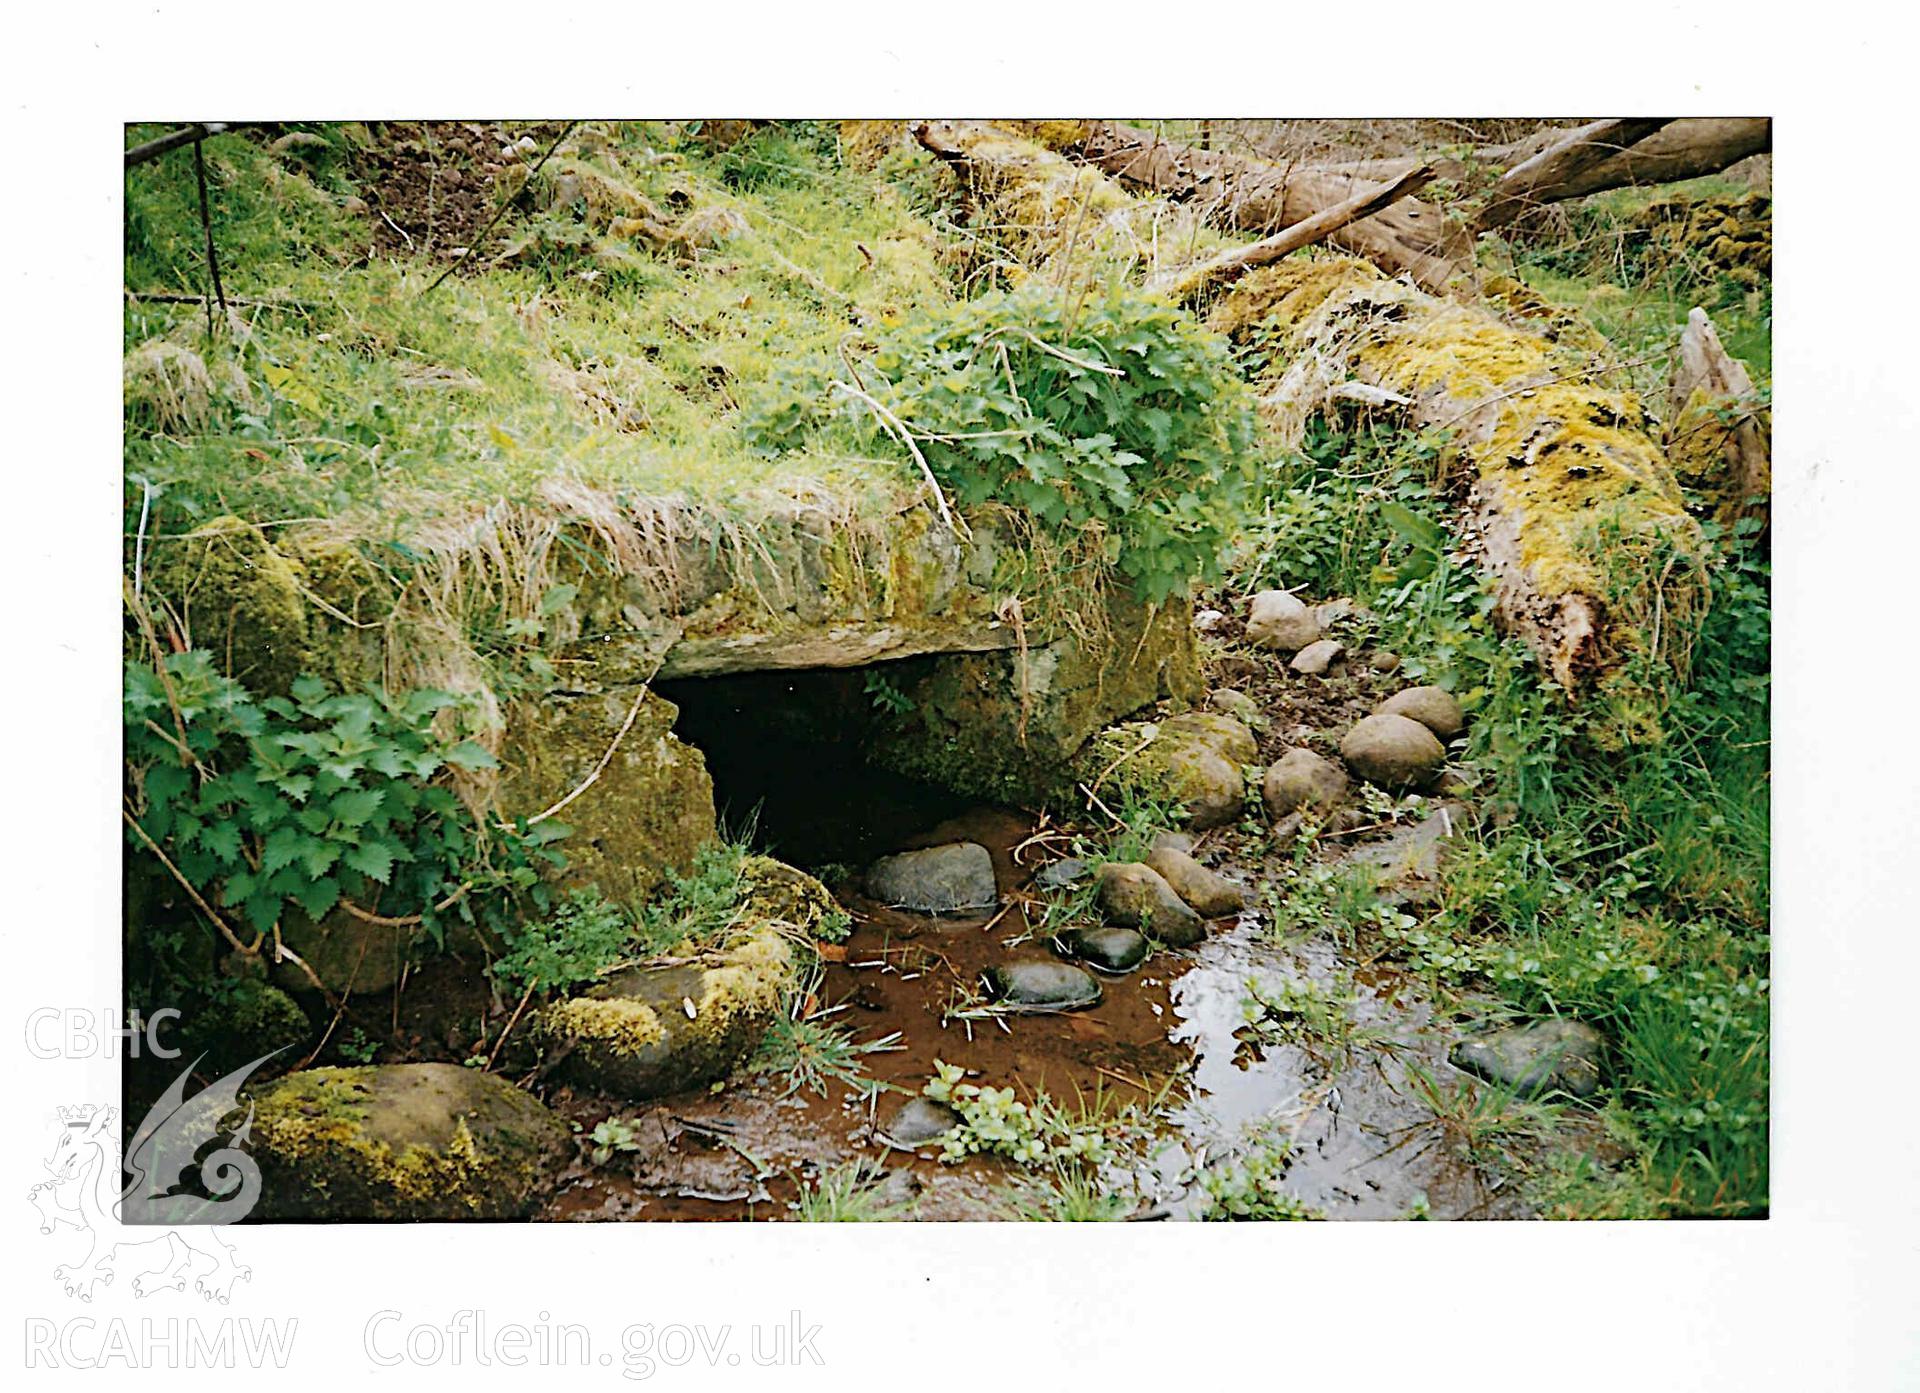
[(269, 804), (994, 1122), (1115, 422), (584, 936), (614, 1136), (1249, 1187)]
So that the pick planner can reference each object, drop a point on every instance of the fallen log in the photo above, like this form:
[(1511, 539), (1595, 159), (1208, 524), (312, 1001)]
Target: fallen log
[(1188, 285), (1576, 515), (1534, 180), (1719, 430), (1575, 512), (1413, 238), (1410, 237)]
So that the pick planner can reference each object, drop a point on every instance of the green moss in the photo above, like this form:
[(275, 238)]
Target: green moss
[(1007, 726), (415, 1141), (660, 1029), (650, 808), (242, 599)]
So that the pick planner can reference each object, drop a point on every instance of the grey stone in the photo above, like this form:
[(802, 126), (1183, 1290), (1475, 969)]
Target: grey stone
[(1105, 948), (936, 879), (1239, 705), (1433, 707), (1281, 621), (920, 1120), (1301, 779), (1209, 893), (1317, 657), (1227, 736), (1407, 863), (1042, 986), (1174, 841), (1545, 1057), (1395, 752), (1061, 875), (1138, 897)]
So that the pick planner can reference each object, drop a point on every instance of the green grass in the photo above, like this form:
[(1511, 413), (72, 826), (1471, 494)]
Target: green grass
[(1624, 887), (623, 367), (848, 1194)]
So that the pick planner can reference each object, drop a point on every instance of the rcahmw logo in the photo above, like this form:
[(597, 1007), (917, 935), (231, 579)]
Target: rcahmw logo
[(89, 1193), (83, 1343)]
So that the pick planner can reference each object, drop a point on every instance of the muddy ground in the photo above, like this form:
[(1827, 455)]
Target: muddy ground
[(1371, 1116)]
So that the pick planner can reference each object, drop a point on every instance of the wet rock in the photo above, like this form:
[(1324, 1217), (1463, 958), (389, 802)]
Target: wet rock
[(1209, 893), (1105, 948), (920, 1120), (1061, 875), (1433, 707), (1317, 657), (1281, 621), (936, 879), (1301, 779), (1238, 705), (1395, 752), (1042, 986), (1545, 1057), (649, 810), (1407, 863), (1138, 897), (651, 1030), (402, 1141)]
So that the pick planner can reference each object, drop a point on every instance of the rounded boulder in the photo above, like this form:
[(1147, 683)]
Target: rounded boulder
[(1394, 752)]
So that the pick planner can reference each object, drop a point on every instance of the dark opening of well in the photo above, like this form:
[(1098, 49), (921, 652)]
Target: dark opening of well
[(788, 755)]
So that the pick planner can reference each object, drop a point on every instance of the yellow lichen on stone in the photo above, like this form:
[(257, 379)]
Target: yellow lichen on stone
[(618, 1024), (406, 1141)]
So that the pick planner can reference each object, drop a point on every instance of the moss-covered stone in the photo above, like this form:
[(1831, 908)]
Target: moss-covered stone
[(242, 599), (1009, 726), (655, 1030), (402, 1141), (1194, 759), (649, 808), (251, 1020)]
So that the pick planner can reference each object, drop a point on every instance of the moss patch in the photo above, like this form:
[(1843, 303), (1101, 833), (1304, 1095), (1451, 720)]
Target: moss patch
[(654, 1030), (404, 1141)]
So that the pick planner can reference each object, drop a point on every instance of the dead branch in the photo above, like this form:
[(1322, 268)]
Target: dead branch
[(1191, 283)]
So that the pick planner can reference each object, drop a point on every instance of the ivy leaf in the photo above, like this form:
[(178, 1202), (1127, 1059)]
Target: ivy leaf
[(222, 839), (166, 782), (284, 844), (319, 856)]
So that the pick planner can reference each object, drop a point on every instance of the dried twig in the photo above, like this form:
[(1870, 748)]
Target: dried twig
[(498, 213)]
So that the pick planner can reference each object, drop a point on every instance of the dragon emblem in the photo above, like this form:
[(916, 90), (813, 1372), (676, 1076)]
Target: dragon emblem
[(89, 1191)]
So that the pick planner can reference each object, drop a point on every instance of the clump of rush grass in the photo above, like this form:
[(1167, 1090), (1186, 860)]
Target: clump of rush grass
[(849, 1194)]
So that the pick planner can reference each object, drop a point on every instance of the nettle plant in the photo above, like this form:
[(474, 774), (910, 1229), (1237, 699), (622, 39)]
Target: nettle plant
[(265, 804), (1118, 421)]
